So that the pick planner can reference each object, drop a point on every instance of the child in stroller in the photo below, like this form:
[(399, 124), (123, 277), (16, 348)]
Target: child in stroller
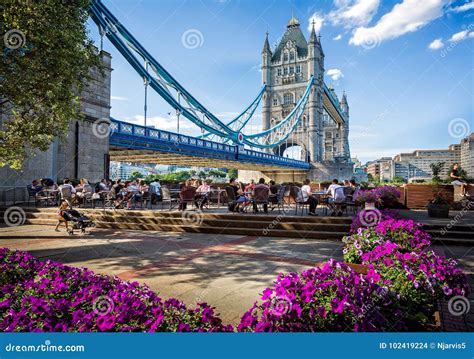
[(66, 213)]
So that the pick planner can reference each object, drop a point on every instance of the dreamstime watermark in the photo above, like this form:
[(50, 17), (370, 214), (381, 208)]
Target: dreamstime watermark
[(14, 216), (459, 128), (452, 44), (101, 128), (280, 306), (371, 40), (457, 218), (192, 218), (275, 222), (459, 305), (370, 217), (14, 39), (192, 39), (103, 305), (46, 347)]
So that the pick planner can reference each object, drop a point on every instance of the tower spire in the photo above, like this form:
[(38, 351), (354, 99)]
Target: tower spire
[(266, 45), (312, 37)]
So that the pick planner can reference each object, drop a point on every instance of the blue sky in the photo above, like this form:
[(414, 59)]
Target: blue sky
[(406, 66)]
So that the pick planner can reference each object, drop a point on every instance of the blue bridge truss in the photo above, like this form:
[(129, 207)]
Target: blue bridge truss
[(130, 142)]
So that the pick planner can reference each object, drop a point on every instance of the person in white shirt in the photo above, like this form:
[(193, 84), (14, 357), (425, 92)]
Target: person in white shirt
[(336, 191), (306, 196), (67, 190)]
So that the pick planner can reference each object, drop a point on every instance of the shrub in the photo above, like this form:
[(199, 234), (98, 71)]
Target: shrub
[(51, 297), (328, 298)]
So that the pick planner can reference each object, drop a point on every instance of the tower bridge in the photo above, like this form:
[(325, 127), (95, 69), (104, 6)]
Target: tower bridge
[(298, 109)]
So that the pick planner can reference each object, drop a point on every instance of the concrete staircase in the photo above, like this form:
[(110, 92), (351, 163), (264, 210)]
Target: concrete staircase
[(456, 234), (271, 225)]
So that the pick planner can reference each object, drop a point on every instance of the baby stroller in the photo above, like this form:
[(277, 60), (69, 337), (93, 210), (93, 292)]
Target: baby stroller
[(78, 220)]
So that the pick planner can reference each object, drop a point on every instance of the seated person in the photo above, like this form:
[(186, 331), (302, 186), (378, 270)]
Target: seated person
[(155, 191), (103, 185), (274, 188), (306, 196), (67, 190), (458, 180), (250, 186), (186, 194), (261, 194), (202, 194), (336, 192), (241, 200), (35, 186)]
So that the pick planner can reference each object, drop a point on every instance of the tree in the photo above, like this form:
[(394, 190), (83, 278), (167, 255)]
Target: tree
[(47, 58), (370, 177), (233, 173), (436, 169), (398, 180)]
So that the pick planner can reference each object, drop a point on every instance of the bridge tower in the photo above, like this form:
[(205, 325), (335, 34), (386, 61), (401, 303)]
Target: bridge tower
[(286, 71)]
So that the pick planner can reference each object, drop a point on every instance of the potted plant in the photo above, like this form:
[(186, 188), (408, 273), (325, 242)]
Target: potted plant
[(438, 207), (368, 197)]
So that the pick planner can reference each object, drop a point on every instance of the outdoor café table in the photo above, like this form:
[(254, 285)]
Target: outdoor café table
[(51, 195), (219, 192)]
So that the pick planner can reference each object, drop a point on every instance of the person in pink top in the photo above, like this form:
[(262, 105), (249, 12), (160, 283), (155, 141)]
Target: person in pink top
[(202, 194)]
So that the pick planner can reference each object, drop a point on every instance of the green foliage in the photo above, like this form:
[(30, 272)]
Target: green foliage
[(436, 169), (43, 70), (135, 174), (398, 180), (216, 173), (233, 173)]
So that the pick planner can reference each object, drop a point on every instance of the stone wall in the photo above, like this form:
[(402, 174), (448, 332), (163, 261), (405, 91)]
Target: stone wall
[(59, 160)]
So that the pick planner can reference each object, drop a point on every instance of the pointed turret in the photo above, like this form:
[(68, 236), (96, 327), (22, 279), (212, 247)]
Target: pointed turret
[(312, 37), (344, 104), (266, 46)]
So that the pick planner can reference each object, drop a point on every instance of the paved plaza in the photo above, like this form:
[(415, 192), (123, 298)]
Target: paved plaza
[(227, 271)]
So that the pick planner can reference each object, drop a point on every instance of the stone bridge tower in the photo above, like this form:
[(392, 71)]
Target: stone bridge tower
[(286, 71)]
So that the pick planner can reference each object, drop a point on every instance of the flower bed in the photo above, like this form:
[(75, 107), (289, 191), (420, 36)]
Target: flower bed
[(408, 235), (50, 297), (385, 196), (396, 251), (329, 298)]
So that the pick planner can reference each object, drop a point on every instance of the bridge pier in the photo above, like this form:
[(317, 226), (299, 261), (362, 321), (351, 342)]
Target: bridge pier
[(319, 172)]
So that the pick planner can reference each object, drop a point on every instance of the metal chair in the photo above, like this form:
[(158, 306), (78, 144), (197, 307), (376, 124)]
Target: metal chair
[(231, 199), (167, 198), (261, 197), (280, 198), (187, 196), (298, 195)]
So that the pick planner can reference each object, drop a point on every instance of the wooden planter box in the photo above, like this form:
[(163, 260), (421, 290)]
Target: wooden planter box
[(418, 195)]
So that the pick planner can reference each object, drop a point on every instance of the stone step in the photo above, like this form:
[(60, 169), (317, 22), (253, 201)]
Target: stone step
[(230, 216), (310, 234), (231, 222), (452, 234)]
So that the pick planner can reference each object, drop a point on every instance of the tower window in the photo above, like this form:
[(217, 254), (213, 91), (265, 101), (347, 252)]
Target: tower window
[(285, 56), (288, 99), (292, 69), (275, 101), (298, 69), (292, 55), (285, 71), (279, 72)]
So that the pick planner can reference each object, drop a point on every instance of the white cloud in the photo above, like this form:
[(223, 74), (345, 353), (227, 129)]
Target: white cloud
[(461, 35), (436, 44), (318, 22), (119, 98), (352, 13), (335, 74), (338, 37), (405, 17), (466, 7)]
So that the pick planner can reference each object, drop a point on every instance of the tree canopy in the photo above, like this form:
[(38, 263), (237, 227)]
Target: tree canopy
[(47, 56)]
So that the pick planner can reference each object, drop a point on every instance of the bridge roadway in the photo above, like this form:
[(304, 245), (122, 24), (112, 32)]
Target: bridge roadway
[(140, 144)]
